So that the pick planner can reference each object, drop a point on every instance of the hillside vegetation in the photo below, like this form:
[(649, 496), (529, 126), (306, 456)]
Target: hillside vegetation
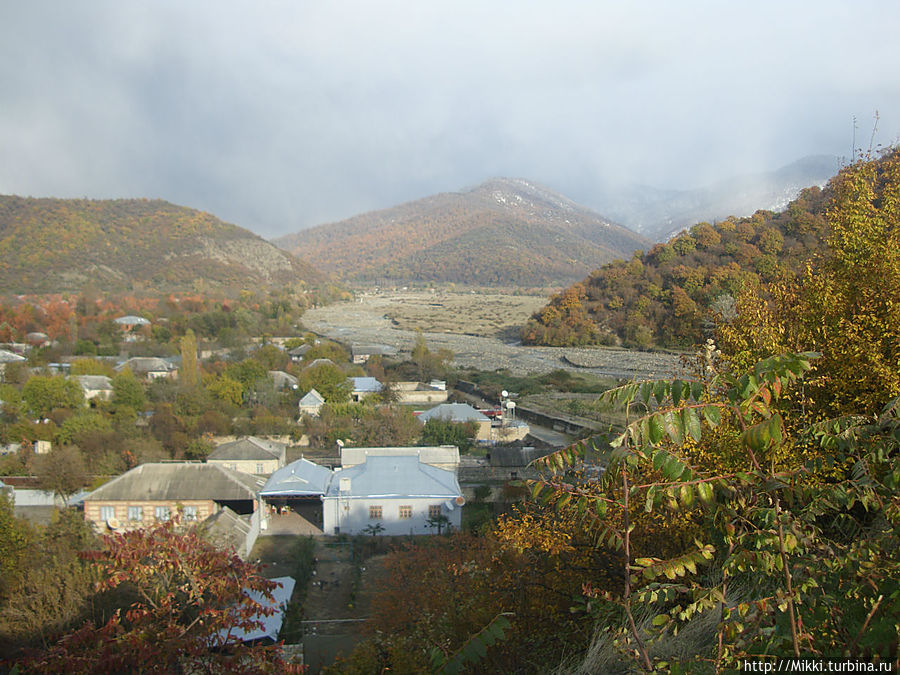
[(503, 232), (49, 245), (665, 297)]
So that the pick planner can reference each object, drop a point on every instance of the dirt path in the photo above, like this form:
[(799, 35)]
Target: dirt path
[(378, 319)]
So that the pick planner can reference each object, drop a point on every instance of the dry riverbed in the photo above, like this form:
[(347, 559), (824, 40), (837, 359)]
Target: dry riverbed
[(480, 329)]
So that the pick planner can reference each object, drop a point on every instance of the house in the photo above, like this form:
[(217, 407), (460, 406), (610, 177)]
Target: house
[(363, 387), (418, 393), (130, 322), (299, 486), (95, 387), (442, 456), (460, 413), (157, 492), (282, 380), (311, 403), (360, 354), (392, 495), (149, 367), (297, 353), (250, 455), (7, 357)]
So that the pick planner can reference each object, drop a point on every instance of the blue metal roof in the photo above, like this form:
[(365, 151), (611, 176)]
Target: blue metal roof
[(301, 478), (398, 476)]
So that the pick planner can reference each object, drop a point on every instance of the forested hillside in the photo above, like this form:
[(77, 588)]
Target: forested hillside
[(665, 297), (49, 245), (503, 232)]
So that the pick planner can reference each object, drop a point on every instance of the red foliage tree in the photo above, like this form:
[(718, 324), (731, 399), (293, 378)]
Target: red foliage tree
[(190, 605)]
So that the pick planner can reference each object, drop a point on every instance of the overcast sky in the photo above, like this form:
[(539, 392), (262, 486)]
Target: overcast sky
[(281, 115)]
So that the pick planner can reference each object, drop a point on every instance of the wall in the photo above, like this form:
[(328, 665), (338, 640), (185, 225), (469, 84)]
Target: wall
[(92, 511), (355, 518)]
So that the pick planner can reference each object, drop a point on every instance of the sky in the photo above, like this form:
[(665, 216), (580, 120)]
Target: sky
[(281, 115)]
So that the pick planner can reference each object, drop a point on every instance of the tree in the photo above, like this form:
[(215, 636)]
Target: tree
[(438, 431), (15, 537), (788, 526), (43, 393), (844, 304), (188, 605), (190, 368), (328, 380), (61, 471), (128, 391)]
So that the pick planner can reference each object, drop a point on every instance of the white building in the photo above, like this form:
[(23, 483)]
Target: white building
[(393, 495)]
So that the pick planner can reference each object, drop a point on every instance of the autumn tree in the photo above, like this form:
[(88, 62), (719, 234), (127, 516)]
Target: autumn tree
[(189, 374), (844, 304), (188, 604), (61, 471)]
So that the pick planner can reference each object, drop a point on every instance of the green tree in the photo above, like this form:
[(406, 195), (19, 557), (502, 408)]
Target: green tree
[(439, 431), (189, 375), (43, 393), (128, 391), (329, 380)]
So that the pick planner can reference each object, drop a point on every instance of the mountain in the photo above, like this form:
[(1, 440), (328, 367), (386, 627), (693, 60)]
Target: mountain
[(667, 296), (658, 214), (502, 232), (50, 245)]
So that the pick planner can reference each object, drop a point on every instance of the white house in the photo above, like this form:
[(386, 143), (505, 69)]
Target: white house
[(392, 495), (311, 403), (95, 386), (363, 387)]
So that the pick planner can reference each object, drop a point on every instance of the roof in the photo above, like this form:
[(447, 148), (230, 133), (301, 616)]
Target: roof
[(515, 456), (9, 357), (312, 397), (394, 477), (249, 448), (454, 412), (131, 320), (145, 364), (282, 379), (366, 384), (171, 481), (300, 478), (271, 625), (99, 382), (440, 454), (319, 362), (226, 528), (372, 350), (299, 351)]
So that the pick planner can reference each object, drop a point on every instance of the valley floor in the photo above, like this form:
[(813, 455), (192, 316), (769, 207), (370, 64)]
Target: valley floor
[(391, 318)]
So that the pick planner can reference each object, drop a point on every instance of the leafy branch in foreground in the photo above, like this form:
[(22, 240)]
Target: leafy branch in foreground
[(801, 557)]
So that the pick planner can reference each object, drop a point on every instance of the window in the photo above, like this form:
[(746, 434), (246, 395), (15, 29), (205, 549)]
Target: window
[(190, 513), (434, 510), (260, 468), (107, 513), (162, 513), (135, 513), (406, 512), (374, 513)]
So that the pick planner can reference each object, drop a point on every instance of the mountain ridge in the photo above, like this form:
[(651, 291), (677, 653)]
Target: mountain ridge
[(51, 245), (532, 234)]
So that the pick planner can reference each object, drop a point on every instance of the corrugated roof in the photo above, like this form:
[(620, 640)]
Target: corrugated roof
[(395, 476), (312, 398), (174, 481), (144, 364), (438, 454), (131, 319), (249, 448), (300, 478), (454, 412), (366, 384), (94, 381), (7, 356), (271, 624)]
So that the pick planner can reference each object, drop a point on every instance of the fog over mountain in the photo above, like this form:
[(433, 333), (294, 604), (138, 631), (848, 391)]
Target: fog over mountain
[(283, 115)]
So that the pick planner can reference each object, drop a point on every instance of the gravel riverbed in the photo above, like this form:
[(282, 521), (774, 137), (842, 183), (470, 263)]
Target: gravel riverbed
[(366, 321)]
